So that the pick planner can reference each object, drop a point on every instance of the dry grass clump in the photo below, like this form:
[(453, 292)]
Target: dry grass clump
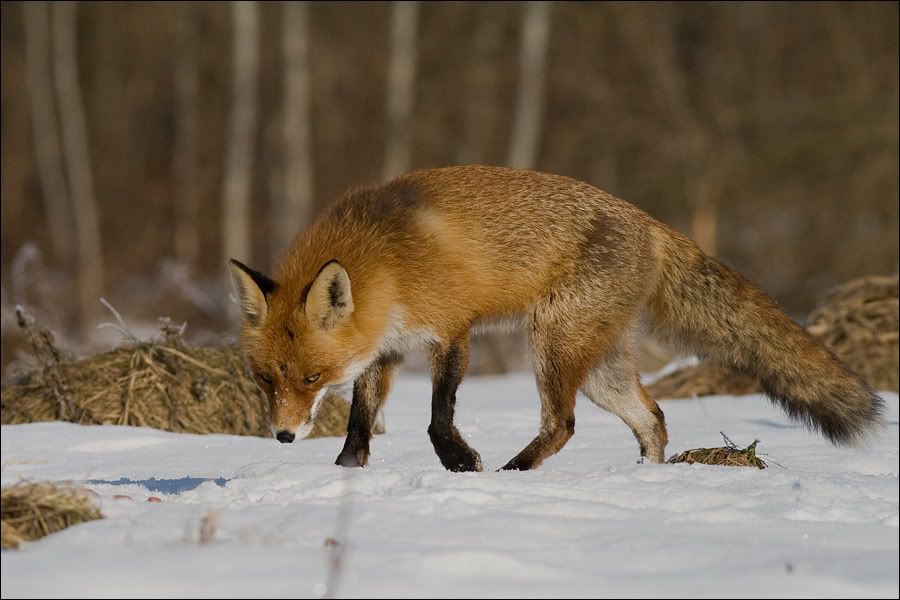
[(859, 321), (702, 380), (164, 384), (727, 456), (33, 510)]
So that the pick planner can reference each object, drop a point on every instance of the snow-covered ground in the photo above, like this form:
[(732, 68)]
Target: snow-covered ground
[(589, 522)]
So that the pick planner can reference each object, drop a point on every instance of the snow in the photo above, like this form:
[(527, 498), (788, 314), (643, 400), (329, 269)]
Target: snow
[(671, 367), (589, 522)]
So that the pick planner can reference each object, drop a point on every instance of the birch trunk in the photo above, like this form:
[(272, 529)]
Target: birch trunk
[(239, 161), (186, 242), (523, 148), (401, 80), (297, 194), (45, 130), (78, 160)]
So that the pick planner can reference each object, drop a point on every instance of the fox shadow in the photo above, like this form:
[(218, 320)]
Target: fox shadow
[(163, 486)]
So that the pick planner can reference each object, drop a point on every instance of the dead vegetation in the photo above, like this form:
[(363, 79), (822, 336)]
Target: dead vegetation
[(727, 456), (859, 321), (32, 510), (163, 383)]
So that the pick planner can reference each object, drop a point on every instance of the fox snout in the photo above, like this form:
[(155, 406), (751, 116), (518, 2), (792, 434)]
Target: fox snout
[(285, 437), (293, 420), (288, 427)]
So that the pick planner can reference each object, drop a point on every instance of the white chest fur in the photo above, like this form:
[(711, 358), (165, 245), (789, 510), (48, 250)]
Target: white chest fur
[(397, 338)]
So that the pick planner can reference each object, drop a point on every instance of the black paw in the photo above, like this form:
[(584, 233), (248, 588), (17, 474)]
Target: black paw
[(453, 452), (517, 464), (352, 459), (461, 460)]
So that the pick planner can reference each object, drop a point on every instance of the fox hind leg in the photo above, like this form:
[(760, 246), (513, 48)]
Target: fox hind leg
[(613, 384), (567, 341)]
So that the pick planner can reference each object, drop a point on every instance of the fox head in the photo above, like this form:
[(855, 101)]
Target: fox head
[(297, 344)]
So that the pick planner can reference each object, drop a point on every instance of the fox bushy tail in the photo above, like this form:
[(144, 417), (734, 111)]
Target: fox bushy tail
[(703, 305)]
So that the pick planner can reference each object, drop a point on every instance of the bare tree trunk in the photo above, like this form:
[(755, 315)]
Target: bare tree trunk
[(481, 109), (78, 160), (700, 162), (46, 130), (239, 162), (401, 79), (532, 73), (187, 243), (297, 195)]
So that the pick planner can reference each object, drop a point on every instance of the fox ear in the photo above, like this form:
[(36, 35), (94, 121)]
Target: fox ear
[(253, 290), (329, 300)]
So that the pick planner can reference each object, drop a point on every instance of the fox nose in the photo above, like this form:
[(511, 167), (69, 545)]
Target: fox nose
[(285, 437)]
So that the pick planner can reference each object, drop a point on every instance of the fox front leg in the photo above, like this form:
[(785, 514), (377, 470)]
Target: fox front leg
[(369, 392), (448, 365)]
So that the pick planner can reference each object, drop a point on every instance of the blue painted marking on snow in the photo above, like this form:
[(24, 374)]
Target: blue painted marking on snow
[(165, 486)]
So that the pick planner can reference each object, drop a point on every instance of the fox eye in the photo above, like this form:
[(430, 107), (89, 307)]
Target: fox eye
[(311, 379), (265, 378)]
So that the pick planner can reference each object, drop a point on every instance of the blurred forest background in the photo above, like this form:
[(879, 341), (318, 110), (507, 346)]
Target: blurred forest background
[(145, 143)]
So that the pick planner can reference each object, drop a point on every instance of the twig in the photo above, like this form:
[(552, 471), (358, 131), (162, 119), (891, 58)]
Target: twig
[(338, 544), (729, 443), (209, 524), (121, 327), (193, 361)]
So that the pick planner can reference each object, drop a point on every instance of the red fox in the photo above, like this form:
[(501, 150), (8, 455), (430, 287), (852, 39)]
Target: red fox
[(422, 259)]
